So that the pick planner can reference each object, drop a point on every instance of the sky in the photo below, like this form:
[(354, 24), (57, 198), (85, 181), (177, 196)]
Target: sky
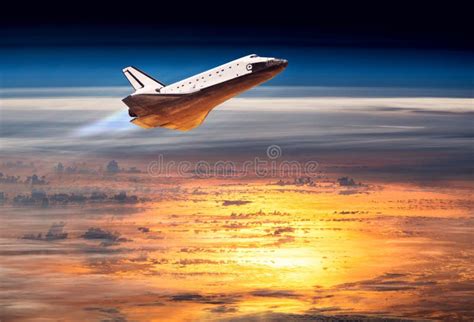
[(321, 66), (412, 99)]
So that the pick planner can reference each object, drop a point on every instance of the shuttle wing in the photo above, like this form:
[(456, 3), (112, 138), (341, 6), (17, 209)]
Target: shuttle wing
[(171, 122), (175, 111)]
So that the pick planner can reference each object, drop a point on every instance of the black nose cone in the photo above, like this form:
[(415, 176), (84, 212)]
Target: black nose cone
[(282, 63)]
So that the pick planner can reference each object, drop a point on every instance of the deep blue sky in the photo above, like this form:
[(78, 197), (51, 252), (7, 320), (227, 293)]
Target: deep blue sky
[(363, 43), (68, 66)]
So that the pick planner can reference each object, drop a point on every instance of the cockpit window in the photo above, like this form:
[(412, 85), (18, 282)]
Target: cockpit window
[(253, 56)]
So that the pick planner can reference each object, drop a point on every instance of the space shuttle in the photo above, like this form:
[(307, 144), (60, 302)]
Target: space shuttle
[(184, 105)]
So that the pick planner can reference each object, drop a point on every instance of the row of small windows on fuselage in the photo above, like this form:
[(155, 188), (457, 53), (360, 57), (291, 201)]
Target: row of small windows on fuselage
[(210, 75)]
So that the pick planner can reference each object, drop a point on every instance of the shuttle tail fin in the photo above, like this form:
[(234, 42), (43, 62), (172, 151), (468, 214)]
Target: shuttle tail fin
[(139, 79)]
